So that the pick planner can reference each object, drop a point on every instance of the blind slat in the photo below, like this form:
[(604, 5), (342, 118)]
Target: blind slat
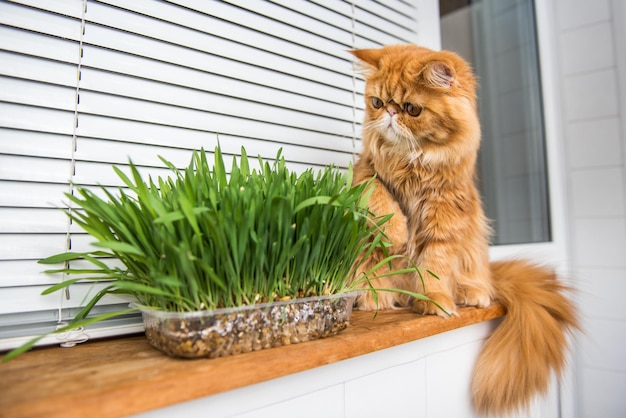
[(406, 9), (206, 133), (375, 23), (17, 194), (37, 45), (381, 15), (194, 49), (95, 174), (337, 14), (15, 90), (70, 8), (208, 92), (31, 118), (282, 20), (23, 302), (32, 220), (97, 150), (205, 116), (207, 72), (40, 21), (30, 247), (41, 170), (187, 118), (31, 68), (256, 30), (24, 273), (36, 144)]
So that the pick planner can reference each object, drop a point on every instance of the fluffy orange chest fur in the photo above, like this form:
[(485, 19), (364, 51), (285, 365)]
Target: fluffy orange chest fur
[(438, 200)]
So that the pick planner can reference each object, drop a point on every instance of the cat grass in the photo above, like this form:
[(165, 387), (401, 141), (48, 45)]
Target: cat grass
[(209, 237), (204, 239)]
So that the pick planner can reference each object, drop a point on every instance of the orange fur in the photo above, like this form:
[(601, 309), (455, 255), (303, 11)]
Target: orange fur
[(421, 137)]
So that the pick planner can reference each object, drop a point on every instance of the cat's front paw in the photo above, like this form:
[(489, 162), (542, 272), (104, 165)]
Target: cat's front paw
[(471, 296), (439, 304)]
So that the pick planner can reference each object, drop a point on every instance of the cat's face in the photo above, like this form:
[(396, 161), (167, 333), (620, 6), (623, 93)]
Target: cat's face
[(419, 102)]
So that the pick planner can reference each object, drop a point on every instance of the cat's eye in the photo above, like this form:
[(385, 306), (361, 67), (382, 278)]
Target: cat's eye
[(377, 103), (411, 109)]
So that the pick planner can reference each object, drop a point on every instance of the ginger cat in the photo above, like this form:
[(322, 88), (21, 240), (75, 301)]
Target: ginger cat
[(421, 136)]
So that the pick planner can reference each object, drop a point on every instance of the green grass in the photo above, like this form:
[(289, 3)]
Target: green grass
[(204, 239)]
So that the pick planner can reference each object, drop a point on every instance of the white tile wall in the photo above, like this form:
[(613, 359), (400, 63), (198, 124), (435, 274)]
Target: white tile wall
[(599, 242), (594, 123), (328, 403), (604, 347), (594, 143), (600, 292), (590, 95), (579, 13), (596, 44), (601, 394), (443, 370), (597, 192), (395, 392)]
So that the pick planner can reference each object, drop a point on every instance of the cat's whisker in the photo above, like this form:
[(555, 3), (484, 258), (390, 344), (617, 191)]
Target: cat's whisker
[(372, 125)]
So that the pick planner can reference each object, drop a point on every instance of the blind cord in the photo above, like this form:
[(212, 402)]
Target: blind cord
[(73, 337), (353, 33)]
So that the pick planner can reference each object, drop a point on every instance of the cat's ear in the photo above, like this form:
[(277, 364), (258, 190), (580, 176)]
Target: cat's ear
[(370, 58), (439, 74)]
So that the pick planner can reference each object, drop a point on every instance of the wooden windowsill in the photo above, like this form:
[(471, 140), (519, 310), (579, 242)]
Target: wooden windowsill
[(122, 376)]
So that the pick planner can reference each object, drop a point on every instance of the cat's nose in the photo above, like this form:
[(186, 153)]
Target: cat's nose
[(391, 110)]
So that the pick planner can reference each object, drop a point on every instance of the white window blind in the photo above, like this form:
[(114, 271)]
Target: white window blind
[(88, 84)]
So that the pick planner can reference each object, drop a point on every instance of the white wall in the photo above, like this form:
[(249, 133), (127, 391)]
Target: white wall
[(428, 378), (428, 27), (591, 45)]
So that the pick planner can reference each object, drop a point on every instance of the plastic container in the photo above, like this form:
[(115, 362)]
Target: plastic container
[(224, 332)]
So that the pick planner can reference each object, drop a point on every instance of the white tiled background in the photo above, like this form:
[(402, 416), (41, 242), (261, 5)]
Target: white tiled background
[(591, 44)]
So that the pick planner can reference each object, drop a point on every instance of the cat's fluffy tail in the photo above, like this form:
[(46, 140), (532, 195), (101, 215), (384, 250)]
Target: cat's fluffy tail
[(518, 359)]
